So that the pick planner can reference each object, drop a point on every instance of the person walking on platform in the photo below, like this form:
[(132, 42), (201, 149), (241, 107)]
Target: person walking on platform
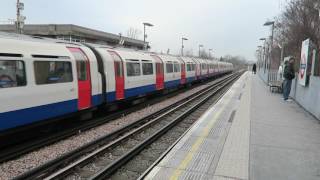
[(288, 75), (254, 68)]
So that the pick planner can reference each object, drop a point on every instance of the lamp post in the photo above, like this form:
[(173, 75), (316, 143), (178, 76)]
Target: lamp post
[(144, 32), (182, 39), (270, 23), (200, 46), (209, 53), (20, 19), (263, 54), (260, 54)]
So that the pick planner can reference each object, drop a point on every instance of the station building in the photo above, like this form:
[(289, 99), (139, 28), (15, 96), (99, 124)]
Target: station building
[(74, 33)]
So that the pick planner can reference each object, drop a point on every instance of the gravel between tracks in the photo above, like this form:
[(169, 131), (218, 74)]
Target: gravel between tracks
[(31, 160)]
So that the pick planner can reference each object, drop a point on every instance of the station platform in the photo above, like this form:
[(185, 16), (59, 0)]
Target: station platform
[(250, 133)]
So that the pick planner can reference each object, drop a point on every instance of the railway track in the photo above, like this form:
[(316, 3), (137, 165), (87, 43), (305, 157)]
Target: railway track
[(20, 148), (101, 158)]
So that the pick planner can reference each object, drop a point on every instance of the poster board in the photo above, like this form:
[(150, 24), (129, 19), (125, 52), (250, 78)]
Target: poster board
[(304, 62)]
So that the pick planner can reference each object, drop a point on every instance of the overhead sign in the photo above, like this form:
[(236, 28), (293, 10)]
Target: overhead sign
[(304, 62)]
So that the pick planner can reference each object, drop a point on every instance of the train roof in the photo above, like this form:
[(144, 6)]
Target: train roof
[(47, 45)]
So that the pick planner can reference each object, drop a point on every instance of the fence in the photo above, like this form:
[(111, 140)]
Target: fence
[(7, 21), (274, 76)]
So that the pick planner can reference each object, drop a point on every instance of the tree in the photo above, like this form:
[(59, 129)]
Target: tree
[(188, 53), (299, 21), (237, 61), (133, 33)]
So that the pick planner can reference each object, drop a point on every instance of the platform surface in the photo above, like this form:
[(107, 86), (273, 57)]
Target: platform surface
[(250, 133)]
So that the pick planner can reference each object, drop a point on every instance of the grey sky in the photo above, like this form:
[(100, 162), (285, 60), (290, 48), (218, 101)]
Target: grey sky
[(227, 26)]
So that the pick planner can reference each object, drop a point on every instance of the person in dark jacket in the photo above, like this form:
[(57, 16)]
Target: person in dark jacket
[(288, 75), (254, 68)]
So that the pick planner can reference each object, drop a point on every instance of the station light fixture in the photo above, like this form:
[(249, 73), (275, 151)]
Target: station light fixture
[(144, 32), (200, 46), (182, 46)]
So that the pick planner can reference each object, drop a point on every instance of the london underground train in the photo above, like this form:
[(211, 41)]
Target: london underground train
[(45, 79)]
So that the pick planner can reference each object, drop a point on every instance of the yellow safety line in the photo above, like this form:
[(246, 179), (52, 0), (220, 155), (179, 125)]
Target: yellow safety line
[(184, 163)]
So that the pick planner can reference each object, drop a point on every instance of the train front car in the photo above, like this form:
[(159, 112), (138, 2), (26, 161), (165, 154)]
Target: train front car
[(42, 80)]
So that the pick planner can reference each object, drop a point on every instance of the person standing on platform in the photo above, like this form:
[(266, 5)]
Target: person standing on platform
[(288, 75), (254, 68)]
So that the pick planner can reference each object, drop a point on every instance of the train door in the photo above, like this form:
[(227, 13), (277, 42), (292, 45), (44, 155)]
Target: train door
[(159, 72), (199, 73), (183, 71), (196, 69), (84, 79), (118, 74)]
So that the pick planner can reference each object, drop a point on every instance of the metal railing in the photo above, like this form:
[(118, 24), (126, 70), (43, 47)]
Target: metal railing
[(274, 76)]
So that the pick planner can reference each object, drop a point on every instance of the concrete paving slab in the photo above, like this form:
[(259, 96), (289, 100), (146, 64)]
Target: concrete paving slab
[(282, 163), (296, 138), (284, 141)]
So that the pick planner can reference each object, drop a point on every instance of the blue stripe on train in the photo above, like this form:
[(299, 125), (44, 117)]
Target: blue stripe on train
[(132, 92), (172, 84), (34, 114), (111, 96), (139, 90), (191, 79), (29, 115), (96, 100)]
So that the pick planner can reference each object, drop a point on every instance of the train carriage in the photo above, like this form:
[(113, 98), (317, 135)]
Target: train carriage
[(172, 71), (41, 80), (190, 68), (204, 68), (197, 68)]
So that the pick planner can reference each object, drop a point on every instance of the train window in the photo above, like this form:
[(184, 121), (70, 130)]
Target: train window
[(169, 67), (82, 70), (203, 66), (188, 67), (147, 68), (50, 72), (118, 68), (193, 67), (159, 68), (12, 74), (81, 62), (176, 67), (133, 69)]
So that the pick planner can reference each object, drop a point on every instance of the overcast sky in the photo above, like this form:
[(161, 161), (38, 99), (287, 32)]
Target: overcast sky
[(227, 26)]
